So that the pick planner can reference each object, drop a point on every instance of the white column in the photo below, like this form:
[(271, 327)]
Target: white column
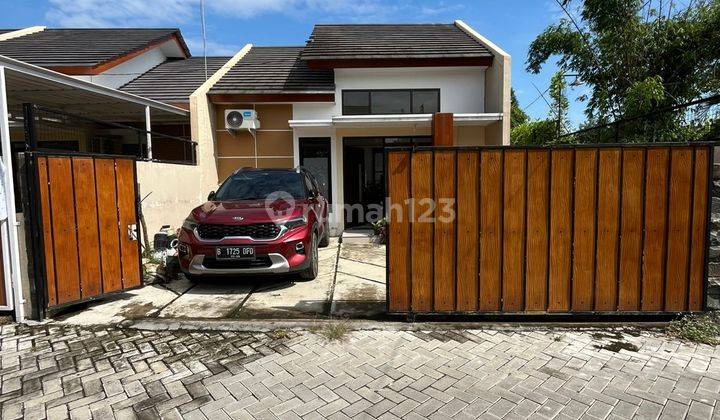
[(148, 128), (10, 203)]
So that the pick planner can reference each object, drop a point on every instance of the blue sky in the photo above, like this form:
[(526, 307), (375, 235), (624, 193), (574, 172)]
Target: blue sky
[(511, 24)]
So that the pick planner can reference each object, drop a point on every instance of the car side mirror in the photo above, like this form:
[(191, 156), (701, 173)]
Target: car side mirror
[(211, 196)]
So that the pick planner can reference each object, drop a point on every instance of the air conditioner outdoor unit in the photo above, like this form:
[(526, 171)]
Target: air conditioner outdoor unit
[(239, 119)]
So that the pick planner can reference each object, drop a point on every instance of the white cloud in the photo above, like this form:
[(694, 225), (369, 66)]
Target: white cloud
[(213, 48), (113, 13)]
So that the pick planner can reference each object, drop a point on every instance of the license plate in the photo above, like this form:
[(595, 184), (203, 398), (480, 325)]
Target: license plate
[(234, 252)]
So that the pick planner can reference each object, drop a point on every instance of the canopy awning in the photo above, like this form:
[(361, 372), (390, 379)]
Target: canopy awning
[(401, 120)]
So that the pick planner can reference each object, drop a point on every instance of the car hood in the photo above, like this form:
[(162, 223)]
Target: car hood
[(249, 211)]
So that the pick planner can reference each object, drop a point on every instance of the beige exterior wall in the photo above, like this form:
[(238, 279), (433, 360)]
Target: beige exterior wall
[(270, 147)]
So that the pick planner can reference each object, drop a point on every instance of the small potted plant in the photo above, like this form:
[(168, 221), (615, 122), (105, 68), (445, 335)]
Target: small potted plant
[(380, 228)]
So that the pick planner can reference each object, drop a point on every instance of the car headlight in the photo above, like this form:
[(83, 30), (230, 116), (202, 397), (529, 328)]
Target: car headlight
[(190, 224), (293, 223)]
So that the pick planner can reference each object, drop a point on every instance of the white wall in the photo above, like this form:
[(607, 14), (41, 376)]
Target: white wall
[(131, 69), (462, 89)]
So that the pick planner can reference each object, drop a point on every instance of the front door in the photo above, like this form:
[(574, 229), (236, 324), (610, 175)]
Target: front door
[(315, 157)]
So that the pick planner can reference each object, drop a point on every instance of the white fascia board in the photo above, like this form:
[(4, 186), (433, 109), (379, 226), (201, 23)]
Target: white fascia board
[(53, 76), (494, 116), (474, 34), (310, 123), (379, 119), (21, 32)]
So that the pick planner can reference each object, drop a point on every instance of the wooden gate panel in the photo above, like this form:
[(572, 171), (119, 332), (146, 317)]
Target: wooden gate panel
[(422, 232), (125, 171), (108, 223), (538, 205), (655, 241), (631, 229), (62, 208), (467, 231), (87, 227), (608, 230), (490, 230), (698, 248), (679, 221), (561, 192), (444, 235), (399, 256), (583, 257), (44, 195), (514, 231), (603, 229)]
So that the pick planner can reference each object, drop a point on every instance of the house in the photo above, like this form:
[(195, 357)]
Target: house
[(337, 102)]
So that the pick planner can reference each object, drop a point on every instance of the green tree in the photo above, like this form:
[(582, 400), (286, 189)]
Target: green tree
[(635, 55), (517, 115)]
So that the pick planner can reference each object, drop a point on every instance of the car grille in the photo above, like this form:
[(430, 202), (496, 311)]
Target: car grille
[(255, 231), (261, 261)]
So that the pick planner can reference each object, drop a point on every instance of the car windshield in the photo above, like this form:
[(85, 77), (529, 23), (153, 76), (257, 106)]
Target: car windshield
[(258, 185)]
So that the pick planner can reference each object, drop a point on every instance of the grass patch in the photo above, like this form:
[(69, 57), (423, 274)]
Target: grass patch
[(280, 334), (335, 331), (703, 328)]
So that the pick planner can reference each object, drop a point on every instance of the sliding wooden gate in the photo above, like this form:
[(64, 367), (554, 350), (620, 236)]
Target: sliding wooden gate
[(86, 222), (604, 229)]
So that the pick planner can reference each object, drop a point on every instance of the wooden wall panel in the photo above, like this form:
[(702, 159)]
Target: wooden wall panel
[(108, 223), (3, 297), (608, 230), (561, 202), (514, 231), (64, 230), (678, 229), (44, 192), (655, 241), (490, 230), (631, 229), (467, 231), (444, 235), (538, 203), (701, 179), (583, 280), (422, 232), (129, 248), (399, 231), (87, 227)]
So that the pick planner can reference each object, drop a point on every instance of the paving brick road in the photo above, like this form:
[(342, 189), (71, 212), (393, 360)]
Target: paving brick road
[(58, 372)]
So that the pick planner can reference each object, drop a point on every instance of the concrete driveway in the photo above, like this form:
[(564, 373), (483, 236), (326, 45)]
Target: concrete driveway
[(351, 284)]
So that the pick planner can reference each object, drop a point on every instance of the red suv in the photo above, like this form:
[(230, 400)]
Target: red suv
[(259, 221)]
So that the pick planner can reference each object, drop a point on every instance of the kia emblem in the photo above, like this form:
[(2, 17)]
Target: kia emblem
[(238, 218)]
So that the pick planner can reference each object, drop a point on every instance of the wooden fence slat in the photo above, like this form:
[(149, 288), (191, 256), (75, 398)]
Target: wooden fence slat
[(678, 229), (467, 231), (608, 230), (699, 222), (125, 173), (87, 227), (583, 281), (108, 221), (561, 192), (63, 229), (655, 241), (444, 239), (50, 280), (538, 204), (490, 229), (422, 232), (399, 190), (631, 229), (514, 231)]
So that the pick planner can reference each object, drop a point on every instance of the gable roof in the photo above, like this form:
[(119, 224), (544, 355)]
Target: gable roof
[(391, 41), (173, 81), (274, 70), (84, 47)]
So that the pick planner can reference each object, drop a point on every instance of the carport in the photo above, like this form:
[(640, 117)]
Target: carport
[(23, 88)]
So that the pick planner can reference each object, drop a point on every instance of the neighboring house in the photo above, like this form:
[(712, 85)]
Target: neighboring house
[(336, 103)]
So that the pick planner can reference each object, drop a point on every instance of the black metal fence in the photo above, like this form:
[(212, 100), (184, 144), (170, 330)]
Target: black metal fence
[(53, 130)]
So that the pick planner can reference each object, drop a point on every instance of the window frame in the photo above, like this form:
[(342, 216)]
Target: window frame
[(369, 98)]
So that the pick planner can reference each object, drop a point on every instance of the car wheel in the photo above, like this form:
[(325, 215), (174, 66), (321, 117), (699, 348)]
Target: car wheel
[(325, 241), (312, 270)]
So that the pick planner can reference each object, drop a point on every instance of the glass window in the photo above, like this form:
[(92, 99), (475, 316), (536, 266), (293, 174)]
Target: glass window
[(390, 102), (258, 185), (425, 101), (356, 102)]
